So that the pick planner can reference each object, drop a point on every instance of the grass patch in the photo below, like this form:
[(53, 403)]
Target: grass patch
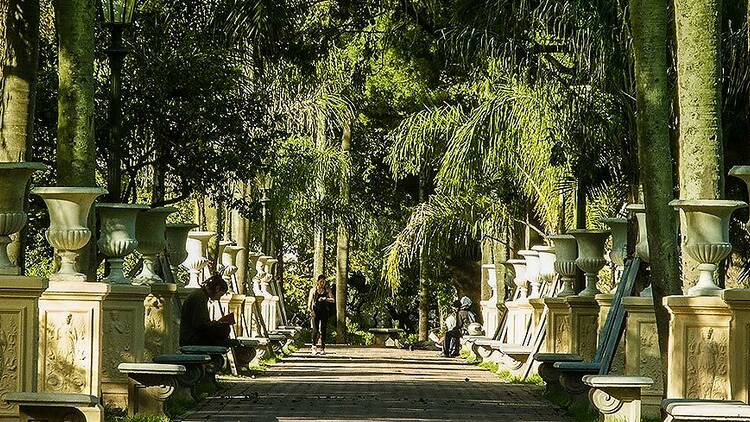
[(289, 350), (121, 415)]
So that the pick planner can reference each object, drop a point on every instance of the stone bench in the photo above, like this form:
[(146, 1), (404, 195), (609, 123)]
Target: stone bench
[(195, 371), (57, 407), (387, 337), (151, 385), (684, 410), (216, 353), (617, 397), (251, 350), (549, 373)]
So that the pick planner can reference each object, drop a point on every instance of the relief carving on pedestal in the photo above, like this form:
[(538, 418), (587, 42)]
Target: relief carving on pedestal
[(9, 355), (562, 330), (155, 328), (706, 363), (68, 355), (587, 336), (649, 362), (118, 337)]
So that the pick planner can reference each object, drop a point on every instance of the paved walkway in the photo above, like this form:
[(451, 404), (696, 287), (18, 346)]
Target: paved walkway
[(351, 383)]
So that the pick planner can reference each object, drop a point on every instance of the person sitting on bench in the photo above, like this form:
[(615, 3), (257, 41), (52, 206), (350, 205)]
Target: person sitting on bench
[(196, 326)]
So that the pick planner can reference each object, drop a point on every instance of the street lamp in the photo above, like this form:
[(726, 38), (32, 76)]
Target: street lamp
[(118, 15), (265, 183)]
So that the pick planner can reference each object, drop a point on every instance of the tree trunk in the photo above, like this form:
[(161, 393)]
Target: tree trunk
[(342, 247), (19, 51), (580, 282), (424, 290), (241, 234), (76, 152), (319, 237), (649, 27), (699, 85)]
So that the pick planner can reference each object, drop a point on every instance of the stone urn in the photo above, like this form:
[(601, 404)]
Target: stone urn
[(707, 237), (742, 172), (519, 269), (117, 236), (491, 282), (532, 271), (196, 245), (546, 264), (252, 263), (14, 177), (270, 274), (618, 226), (590, 257), (176, 238), (641, 243), (260, 274), (150, 231), (229, 263), (68, 231), (566, 253)]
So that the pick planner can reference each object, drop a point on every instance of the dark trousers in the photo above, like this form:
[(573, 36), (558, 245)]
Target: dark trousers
[(451, 343), (319, 328)]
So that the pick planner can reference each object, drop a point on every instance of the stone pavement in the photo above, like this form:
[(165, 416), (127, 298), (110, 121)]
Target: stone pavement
[(351, 383)]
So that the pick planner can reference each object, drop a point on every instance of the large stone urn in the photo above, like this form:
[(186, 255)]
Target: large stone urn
[(150, 232), (707, 237), (546, 267), (566, 252), (117, 239), (641, 243), (590, 256), (176, 237), (618, 226), (742, 172), (14, 177), (532, 271), (197, 243), (229, 264), (519, 270), (68, 231)]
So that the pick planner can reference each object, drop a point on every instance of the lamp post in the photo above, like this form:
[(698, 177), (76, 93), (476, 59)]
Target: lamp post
[(265, 183), (118, 15)]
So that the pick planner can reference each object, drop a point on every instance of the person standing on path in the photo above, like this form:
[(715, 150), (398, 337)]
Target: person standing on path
[(318, 304)]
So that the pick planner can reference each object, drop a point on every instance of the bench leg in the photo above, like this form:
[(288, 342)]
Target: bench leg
[(617, 404), (578, 391), (552, 387), (149, 400), (61, 414)]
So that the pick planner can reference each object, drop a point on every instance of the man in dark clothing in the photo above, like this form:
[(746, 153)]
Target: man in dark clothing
[(196, 326), (457, 324)]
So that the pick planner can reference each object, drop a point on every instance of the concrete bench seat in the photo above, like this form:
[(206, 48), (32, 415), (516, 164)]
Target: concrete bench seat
[(617, 397), (217, 353), (57, 407), (151, 385), (386, 337), (683, 410), (251, 350), (195, 371)]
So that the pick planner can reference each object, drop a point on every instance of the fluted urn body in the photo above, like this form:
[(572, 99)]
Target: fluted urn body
[(590, 259), (566, 253), (546, 263), (519, 270), (260, 274), (14, 177), (196, 245), (491, 282), (68, 231), (150, 232), (532, 271), (742, 172), (270, 270), (641, 243), (707, 237), (229, 263), (176, 238), (117, 236), (619, 228)]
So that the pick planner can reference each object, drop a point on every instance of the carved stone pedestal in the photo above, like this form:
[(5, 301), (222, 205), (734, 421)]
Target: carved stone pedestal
[(520, 315), (699, 359), (557, 337), (605, 304), (537, 306), (124, 338), (19, 328), (161, 321), (584, 315), (738, 301), (642, 356), (233, 302), (490, 317), (252, 305), (269, 310), (71, 337)]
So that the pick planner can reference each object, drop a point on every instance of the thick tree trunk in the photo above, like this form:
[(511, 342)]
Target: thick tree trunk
[(649, 27), (76, 152), (424, 289), (241, 234), (319, 237), (342, 247), (19, 51), (699, 85)]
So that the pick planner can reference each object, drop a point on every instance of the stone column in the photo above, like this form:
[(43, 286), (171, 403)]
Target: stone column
[(557, 337), (584, 315), (642, 357), (699, 331)]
